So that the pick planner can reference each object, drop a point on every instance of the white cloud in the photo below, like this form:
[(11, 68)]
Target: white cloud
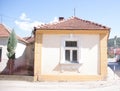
[(24, 17), (54, 20), (25, 23)]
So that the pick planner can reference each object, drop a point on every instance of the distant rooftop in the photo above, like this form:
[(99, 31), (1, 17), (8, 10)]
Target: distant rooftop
[(29, 39), (5, 32)]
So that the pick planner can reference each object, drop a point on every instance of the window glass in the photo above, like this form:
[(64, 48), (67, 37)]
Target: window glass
[(67, 55), (0, 55), (74, 55), (71, 52), (71, 43)]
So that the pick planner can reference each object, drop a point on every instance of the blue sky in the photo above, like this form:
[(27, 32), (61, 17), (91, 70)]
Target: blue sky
[(22, 15)]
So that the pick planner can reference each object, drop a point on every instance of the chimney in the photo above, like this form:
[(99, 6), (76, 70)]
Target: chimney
[(61, 18)]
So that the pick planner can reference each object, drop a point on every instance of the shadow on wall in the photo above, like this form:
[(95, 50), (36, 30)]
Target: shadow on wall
[(68, 67), (20, 66)]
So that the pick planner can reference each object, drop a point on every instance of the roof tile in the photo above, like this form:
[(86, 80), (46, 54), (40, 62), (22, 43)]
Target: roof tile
[(4, 31), (29, 39), (73, 23)]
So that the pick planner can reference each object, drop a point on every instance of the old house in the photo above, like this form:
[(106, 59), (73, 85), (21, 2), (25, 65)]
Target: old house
[(70, 50), (30, 54), (20, 60)]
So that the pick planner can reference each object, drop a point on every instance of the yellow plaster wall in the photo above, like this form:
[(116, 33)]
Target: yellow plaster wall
[(103, 54), (38, 56), (69, 78)]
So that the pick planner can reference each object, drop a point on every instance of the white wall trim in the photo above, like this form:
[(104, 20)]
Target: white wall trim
[(71, 37)]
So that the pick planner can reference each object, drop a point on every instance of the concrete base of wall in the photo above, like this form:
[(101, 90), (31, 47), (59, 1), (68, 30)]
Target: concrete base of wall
[(16, 77), (73, 78)]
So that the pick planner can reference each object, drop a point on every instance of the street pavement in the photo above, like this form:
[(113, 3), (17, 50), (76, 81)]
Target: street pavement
[(115, 66), (111, 84), (10, 85)]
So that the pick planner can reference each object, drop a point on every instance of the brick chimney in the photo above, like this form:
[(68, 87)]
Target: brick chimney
[(61, 18)]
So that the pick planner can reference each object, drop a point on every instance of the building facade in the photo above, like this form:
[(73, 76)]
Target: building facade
[(20, 53), (70, 50)]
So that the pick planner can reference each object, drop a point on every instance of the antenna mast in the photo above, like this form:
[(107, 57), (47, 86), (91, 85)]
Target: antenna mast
[(74, 12), (1, 18)]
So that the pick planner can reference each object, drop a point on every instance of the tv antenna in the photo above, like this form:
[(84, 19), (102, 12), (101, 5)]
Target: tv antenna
[(74, 12), (1, 18)]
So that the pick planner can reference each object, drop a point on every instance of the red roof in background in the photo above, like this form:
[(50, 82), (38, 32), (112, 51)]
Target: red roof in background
[(29, 39), (4, 32), (118, 51), (73, 23)]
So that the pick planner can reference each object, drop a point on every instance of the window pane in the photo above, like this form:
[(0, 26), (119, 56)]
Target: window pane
[(74, 55), (0, 54), (71, 43), (67, 55)]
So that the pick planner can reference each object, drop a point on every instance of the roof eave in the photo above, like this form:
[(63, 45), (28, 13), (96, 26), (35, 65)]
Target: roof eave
[(70, 29)]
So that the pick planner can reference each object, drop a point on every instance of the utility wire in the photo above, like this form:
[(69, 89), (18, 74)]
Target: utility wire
[(4, 17)]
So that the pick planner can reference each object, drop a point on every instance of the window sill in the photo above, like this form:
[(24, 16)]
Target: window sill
[(67, 62), (71, 67)]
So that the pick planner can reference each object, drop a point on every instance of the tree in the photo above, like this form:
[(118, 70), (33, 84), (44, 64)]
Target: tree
[(11, 46)]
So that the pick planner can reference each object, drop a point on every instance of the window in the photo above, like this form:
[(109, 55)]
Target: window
[(71, 51), (71, 44), (0, 55)]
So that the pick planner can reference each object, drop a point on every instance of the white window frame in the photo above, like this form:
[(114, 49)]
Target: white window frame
[(63, 48), (71, 49)]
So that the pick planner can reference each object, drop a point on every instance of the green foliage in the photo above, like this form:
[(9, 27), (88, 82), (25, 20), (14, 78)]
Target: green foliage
[(111, 42), (111, 55), (11, 45)]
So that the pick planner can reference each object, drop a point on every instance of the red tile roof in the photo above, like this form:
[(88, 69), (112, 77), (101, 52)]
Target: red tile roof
[(116, 50), (4, 32), (29, 39), (73, 23)]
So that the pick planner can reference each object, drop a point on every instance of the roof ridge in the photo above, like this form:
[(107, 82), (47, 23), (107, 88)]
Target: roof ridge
[(91, 22), (57, 22), (6, 28), (73, 20)]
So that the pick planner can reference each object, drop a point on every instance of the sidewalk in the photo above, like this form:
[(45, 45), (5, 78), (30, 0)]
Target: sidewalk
[(7, 85), (24, 83)]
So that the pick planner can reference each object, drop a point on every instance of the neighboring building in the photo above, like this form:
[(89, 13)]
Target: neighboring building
[(71, 50), (30, 54), (20, 60), (114, 53), (4, 33)]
